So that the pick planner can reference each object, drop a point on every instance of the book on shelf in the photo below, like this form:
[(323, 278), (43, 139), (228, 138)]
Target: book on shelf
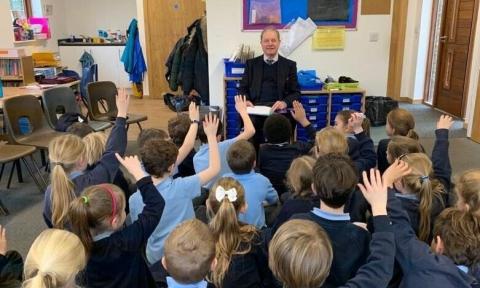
[(10, 67)]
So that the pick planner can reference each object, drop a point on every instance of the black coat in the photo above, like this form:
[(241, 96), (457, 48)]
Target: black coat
[(251, 84)]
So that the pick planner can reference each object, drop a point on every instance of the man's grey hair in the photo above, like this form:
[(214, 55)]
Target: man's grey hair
[(270, 28)]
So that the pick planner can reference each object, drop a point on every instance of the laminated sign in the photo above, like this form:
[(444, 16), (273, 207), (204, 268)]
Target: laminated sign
[(329, 38)]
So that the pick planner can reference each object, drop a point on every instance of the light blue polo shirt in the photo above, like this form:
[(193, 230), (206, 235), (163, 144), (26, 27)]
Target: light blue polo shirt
[(257, 190), (178, 194), (174, 284), (200, 160)]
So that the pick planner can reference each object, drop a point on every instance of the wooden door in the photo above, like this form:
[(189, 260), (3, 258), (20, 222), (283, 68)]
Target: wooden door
[(451, 92), (165, 22), (476, 116)]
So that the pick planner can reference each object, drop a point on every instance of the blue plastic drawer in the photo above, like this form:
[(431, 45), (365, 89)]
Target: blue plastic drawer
[(314, 99), (232, 91), (346, 98), (315, 108), (231, 106), (233, 131), (233, 122), (341, 107), (320, 116), (230, 100), (233, 84)]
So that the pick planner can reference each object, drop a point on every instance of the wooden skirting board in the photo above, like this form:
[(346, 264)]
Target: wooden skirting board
[(410, 100)]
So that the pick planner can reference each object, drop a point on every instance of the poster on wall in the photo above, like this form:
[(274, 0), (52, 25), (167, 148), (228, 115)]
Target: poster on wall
[(258, 14), (265, 12), (329, 38)]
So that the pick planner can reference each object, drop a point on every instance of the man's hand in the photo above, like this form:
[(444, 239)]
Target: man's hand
[(299, 114), (279, 105)]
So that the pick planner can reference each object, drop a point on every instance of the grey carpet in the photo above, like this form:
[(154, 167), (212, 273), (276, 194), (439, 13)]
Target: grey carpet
[(25, 201)]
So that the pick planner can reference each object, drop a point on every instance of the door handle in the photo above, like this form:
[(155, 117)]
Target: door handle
[(443, 38)]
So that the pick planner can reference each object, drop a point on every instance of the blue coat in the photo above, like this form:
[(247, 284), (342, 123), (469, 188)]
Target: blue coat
[(132, 57)]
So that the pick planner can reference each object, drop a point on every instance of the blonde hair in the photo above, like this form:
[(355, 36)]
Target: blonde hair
[(300, 254), (421, 182), (229, 233), (96, 206), (402, 123), (467, 186), (94, 146), (189, 252), (300, 176), (55, 258), (330, 140), (64, 153)]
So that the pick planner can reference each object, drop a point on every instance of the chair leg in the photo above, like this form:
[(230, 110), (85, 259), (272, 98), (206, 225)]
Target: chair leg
[(19, 172), (3, 209), (1, 172), (35, 165), (11, 174), (30, 171), (139, 126)]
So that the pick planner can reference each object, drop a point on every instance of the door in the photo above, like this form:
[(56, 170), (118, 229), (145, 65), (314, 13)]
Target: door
[(476, 116), (165, 22), (450, 95)]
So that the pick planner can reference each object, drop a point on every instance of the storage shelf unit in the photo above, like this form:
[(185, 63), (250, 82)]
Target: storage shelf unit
[(321, 106), (16, 71)]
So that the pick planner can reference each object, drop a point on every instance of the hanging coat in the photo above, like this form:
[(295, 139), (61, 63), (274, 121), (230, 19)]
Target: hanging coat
[(86, 60), (132, 57)]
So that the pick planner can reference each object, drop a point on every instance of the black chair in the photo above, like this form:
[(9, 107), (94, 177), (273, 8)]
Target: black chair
[(104, 93), (64, 98), (89, 75)]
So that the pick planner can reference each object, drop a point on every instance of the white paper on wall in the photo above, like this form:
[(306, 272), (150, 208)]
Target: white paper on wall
[(299, 31)]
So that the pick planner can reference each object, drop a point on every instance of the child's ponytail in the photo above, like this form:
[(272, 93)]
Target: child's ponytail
[(95, 210), (64, 153), (412, 134), (402, 123), (227, 198), (421, 183)]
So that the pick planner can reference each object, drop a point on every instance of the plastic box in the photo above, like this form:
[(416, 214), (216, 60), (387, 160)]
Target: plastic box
[(346, 98), (234, 69), (340, 107), (233, 84), (314, 99)]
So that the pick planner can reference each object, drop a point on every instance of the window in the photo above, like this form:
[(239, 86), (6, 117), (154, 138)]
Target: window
[(26, 8)]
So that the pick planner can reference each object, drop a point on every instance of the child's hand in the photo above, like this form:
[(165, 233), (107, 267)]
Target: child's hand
[(445, 122), (3, 241), (133, 165), (241, 104), (193, 112), (355, 122), (122, 101), (210, 125), (397, 170), (375, 191), (299, 115)]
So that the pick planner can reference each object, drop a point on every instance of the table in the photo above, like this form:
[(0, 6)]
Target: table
[(9, 92)]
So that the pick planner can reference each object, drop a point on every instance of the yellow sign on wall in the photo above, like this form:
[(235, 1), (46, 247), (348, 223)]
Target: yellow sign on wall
[(329, 38)]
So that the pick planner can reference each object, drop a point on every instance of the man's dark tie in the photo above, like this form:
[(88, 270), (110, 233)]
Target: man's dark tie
[(269, 61)]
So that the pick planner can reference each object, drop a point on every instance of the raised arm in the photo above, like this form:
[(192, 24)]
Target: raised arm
[(300, 116), (189, 142), (368, 157), (134, 236), (248, 128), (440, 156), (210, 126)]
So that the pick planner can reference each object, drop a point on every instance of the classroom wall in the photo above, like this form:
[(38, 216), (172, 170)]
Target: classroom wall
[(362, 60), (474, 76), (87, 16), (423, 45)]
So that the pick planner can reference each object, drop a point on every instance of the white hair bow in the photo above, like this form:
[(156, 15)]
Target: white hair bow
[(231, 194)]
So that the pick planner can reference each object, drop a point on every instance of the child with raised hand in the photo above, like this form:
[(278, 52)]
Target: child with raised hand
[(54, 260), (240, 260), (201, 158), (115, 257), (455, 245), (68, 163), (399, 122), (301, 254), (11, 263), (189, 255), (159, 159), (276, 155), (341, 123), (241, 158), (334, 180)]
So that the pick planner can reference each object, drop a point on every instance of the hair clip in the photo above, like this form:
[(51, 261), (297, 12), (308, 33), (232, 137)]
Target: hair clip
[(58, 163), (221, 193), (424, 178), (402, 156), (85, 199)]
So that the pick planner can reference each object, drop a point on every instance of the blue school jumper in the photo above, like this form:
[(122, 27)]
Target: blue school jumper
[(104, 171), (366, 158), (178, 194), (116, 260), (275, 159), (350, 244), (258, 189), (421, 267)]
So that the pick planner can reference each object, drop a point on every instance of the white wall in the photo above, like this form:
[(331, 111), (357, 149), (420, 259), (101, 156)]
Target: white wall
[(473, 84), (141, 31), (87, 16), (422, 54), (362, 60)]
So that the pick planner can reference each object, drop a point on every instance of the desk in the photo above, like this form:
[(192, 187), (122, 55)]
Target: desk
[(9, 92)]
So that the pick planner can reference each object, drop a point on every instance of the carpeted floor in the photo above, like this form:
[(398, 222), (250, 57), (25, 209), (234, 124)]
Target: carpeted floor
[(25, 201)]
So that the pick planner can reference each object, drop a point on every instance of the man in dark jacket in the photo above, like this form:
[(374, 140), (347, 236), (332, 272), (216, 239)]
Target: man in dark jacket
[(269, 79)]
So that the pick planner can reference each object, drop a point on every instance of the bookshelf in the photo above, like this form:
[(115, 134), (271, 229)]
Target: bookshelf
[(16, 71)]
